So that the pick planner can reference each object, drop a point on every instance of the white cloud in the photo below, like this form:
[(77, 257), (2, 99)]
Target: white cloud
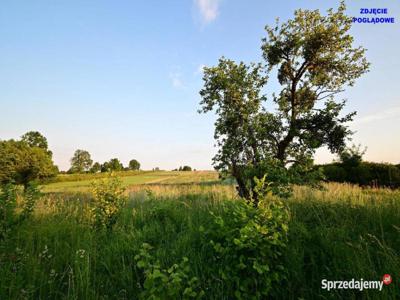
[(208, 9), (176, 80), (390, 113)]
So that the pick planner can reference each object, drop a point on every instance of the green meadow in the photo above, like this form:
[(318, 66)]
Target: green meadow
[(271, 222), (159, 247)]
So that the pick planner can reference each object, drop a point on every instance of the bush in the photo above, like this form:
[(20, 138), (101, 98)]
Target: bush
[(171, 283), (8, 203), (247, 245), (108, 202), (9, 217), (21, 163), (365, 173)]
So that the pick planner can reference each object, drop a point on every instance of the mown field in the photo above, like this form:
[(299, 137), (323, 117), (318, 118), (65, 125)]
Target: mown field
[(338, 233)]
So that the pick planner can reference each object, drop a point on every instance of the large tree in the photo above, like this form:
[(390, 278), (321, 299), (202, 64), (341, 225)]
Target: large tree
[(81, 161), (314, 59), (36, 139), (21, 163), (134, 164)]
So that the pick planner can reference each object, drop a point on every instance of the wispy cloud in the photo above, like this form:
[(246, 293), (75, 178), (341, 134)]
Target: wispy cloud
[(176, 80), (389, 113), (208, 9)]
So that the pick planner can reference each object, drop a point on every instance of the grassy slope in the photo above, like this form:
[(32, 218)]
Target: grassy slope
[(82, 183), (341, 233)]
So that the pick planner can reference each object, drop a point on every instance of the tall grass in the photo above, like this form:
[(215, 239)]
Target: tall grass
[(339, 233)]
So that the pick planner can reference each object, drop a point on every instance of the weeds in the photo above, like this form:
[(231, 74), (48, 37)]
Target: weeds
[(247, 245), (171, 283)]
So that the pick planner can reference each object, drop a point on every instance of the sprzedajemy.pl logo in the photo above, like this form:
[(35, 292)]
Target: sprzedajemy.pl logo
[(356, 284)]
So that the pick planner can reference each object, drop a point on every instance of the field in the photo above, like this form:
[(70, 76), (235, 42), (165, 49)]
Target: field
[(337, 233), (82, 182)]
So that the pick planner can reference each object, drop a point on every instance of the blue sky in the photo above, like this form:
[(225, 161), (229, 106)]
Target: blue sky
[(121, 78)]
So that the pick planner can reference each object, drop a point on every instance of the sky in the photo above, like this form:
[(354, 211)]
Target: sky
[(122, 78)]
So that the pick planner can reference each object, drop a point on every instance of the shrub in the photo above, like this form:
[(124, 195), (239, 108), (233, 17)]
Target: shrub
[(334, 172), (8, 203), (107, 203), (365, 173), (31, 194), (247, 245), (171, 283), (9, 217)]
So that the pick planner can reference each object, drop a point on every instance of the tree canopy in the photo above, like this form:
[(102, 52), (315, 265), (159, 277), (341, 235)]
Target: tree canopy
[(185, 168), (21, 163), (81, 161), (134, 164), (36, 139), (112, 165), (96, 167), (314, 59)]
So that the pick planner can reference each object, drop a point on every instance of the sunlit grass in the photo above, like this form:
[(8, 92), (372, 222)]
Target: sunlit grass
[(83, 182), (338, 233)]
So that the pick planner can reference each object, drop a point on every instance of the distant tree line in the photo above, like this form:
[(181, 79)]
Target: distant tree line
[(81, 162), (352, 169), (184, 168)]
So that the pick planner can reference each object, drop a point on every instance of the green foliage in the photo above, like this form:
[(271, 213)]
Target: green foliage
[(184, 168), (36, 139), (107, 203), (80, 162), (341, 232), (134, 165), (9, 215), (21, 163), (248, 243), (8, 203), (31, 195), (364, 174), (352, 169), (351, 157), (170, 283), (113, 165), (95, 168), (315, 59)]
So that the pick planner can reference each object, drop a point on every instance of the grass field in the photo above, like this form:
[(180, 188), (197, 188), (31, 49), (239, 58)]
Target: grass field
[(63, 183), (339, 233)]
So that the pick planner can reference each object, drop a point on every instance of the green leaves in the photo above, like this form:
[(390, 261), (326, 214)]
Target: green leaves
[(170, 283), (247, 246), (315, 59), (108, 202), (9, 215), (8, 203), (81, 161), (21, 163)]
